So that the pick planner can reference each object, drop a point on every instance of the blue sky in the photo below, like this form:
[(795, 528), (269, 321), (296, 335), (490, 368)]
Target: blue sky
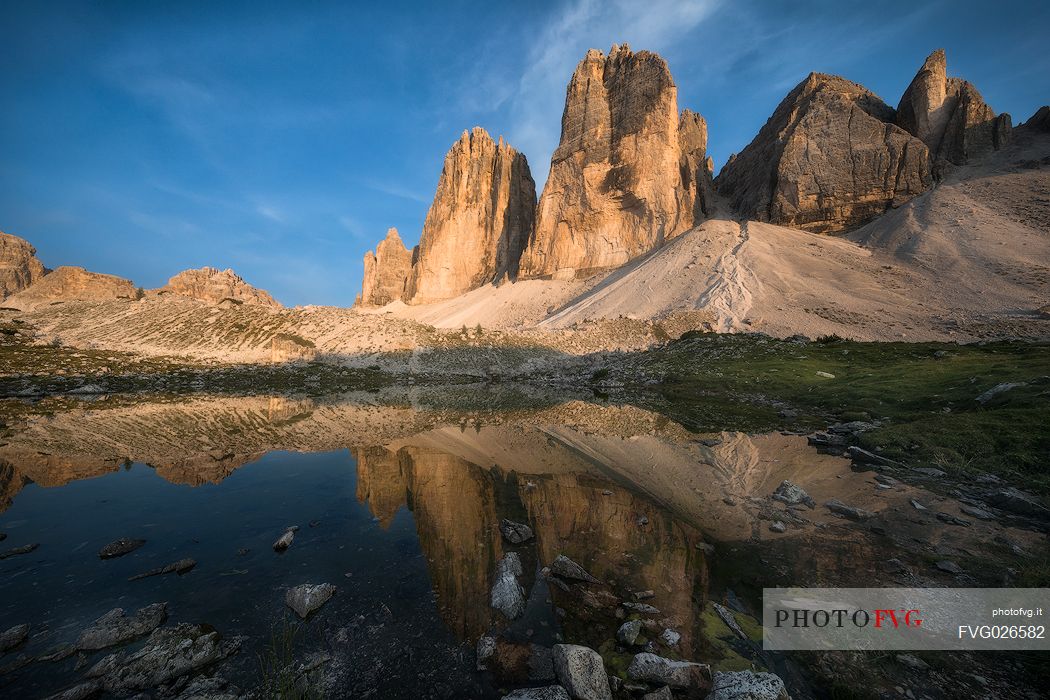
[(283, 139)]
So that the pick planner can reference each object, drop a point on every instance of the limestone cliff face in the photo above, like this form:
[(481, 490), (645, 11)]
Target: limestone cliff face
[(217, 286), (829, 159), (19, 266), (624, 178), (72, 284), (480, 220), (386, 271), (950, 116)]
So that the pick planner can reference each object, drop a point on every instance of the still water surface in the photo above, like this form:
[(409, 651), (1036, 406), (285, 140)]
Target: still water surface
[(400, 508)]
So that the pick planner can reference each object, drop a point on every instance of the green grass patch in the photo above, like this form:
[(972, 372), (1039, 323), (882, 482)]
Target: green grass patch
[(924, 393)]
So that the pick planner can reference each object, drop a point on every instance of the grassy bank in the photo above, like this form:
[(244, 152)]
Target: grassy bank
[(930, 398)]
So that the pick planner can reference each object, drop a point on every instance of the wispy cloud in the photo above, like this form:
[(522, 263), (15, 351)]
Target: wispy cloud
[(270, 212), (395, 190)]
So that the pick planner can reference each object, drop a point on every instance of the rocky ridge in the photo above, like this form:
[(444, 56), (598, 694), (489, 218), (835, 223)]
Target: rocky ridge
[(19, 266), (950, 116), (214, 286), (386, 271), (72, 284)]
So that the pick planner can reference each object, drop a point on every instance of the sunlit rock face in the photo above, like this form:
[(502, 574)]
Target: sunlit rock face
[(829, 159), (950, 116), (386, 271), (19, 266), (215, 287), (479, 222), (72, 284), (628, 173)]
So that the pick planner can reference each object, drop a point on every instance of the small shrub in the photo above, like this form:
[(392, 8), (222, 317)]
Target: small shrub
[(830, 338), (600, 374), (296, 339)]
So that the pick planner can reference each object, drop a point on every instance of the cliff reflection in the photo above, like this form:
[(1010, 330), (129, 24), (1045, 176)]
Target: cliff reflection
[(624, 539)]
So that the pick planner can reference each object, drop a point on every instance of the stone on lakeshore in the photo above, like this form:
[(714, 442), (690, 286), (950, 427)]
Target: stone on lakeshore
[(115, 627), (581, 672), (685, 675), (747, 685), (306, 598)]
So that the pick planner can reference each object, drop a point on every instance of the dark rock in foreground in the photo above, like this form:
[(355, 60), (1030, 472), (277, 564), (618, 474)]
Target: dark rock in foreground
[(747, 685), (168, 654), (13, 637), (685, 675), (308, 597), (117, 628), (550, 692), (581, 672)]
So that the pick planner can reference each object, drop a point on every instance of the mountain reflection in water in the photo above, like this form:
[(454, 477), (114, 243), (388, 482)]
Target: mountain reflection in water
[(411, 541)]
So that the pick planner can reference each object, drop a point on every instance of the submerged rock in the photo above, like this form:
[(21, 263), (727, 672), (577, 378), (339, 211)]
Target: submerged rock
[(125, 545), (308, 597), (180, 567), (13, 637), (285, 541), (485, 649), (168, 654), (115, 627), (582, 672), (507, 594), (550, 692), (747, 685), (564, 567), (685, 675), (24, 549), (515, 533)]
